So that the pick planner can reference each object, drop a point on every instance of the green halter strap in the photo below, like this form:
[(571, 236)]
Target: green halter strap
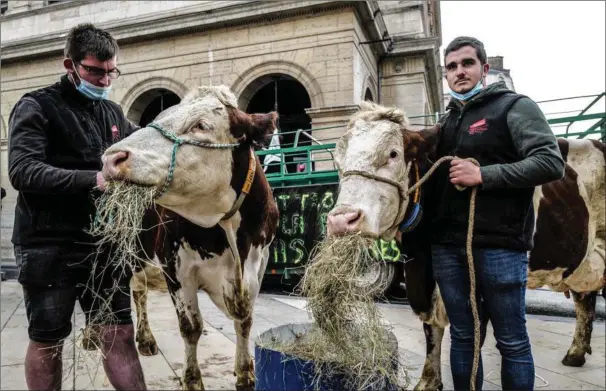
[(178, 142)]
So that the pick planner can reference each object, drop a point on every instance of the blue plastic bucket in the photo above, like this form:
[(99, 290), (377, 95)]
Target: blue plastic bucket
[(277, 371)]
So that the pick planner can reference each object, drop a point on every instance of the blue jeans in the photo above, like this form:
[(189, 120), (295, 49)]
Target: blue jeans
[(501, 277)]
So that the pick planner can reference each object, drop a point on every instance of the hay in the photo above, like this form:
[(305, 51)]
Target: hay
[(115, 229), (119, 218), (334, 285), (348, 338)]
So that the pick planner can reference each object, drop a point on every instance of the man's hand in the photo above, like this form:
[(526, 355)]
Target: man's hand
[(464, 173), (101, 183)]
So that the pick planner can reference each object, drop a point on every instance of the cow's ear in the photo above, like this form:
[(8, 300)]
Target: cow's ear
[(263, 126), (421, 144), (252, 128), (239, 123)]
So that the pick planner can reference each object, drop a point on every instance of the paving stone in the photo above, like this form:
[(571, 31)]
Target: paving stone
[(14, 342), (12, 376), (549, 380), (565, 326), (593, 376), (548, 356)]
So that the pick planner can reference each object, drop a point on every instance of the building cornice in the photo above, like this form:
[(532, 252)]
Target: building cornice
[(41, 9), (371, 16), (192, 19), (411, 45), (332, 111), (404, 5)]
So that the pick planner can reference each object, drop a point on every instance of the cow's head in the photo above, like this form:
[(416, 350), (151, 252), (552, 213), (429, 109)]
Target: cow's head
[(376, 160), (200, 184)]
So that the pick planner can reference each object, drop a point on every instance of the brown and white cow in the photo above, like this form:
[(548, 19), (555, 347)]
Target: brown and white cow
[(201, 217), (569, 235)]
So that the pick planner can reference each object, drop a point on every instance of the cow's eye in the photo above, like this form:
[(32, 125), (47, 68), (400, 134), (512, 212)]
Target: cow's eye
[(202, 125), (393, 154)]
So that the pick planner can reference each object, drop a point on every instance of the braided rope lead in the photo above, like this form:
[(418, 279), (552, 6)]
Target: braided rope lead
[(470, 262)]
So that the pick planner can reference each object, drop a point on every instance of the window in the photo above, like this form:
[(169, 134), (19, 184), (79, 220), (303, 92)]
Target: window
[(3, 6)]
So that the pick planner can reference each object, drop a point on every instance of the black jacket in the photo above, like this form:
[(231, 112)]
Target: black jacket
[(509, 136), (56, 139)]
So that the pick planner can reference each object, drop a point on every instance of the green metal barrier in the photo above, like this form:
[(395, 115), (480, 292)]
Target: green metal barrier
[(588, 120)]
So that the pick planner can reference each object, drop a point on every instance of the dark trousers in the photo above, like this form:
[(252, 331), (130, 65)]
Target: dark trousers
[(501, 277), (53, 277)]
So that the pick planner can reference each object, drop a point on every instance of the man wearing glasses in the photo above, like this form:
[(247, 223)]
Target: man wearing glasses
[(57, 135)]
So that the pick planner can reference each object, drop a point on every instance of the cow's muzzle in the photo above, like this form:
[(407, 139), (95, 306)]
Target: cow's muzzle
[(115, 164)]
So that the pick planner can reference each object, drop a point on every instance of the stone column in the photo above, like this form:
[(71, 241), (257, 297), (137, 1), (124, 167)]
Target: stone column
[(404, 85), (335, 118)]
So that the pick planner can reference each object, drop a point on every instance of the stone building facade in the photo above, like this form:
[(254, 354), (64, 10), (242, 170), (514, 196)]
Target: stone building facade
[(314, 60)]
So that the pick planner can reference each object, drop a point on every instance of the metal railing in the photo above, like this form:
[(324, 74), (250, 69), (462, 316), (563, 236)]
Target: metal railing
[(588, 119), (301, 165)]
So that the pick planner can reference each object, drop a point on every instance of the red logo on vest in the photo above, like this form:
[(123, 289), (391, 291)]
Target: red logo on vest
[(115, 133), (478, 127)]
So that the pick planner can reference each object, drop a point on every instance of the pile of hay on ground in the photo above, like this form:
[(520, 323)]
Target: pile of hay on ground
[(348, 338)]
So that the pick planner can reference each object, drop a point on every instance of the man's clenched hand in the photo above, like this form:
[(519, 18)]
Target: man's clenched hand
[(464, 173)]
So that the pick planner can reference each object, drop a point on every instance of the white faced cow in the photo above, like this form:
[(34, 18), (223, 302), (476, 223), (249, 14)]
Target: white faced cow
[(215, 220), (375, 159)]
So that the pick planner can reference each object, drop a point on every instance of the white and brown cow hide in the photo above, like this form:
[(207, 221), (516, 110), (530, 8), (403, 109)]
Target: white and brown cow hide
[(187, 236)]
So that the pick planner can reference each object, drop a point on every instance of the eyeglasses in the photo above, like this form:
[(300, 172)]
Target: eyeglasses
[(98, 72)]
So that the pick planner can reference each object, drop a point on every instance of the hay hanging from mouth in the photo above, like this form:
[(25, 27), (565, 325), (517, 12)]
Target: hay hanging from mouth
[(335, 286), (348, 338), (119, 218)]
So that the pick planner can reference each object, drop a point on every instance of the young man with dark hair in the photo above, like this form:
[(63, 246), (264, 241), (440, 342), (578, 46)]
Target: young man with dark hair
[(509, 136), (57, 136)]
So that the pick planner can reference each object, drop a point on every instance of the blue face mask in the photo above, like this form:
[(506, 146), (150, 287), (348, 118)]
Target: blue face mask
[(469, 94), (91, 91)]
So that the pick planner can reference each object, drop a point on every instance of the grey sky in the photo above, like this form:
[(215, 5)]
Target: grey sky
[(554, 49)]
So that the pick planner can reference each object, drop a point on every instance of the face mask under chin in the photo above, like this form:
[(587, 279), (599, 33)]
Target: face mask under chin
[(89, 90), (469, 94)]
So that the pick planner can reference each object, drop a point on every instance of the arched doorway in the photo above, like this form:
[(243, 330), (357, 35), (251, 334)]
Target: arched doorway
[(151, 103), (289, 98), (368, 95)]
